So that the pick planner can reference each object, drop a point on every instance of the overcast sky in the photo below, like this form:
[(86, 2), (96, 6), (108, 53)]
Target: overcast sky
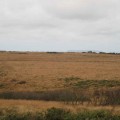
[(60, 25)]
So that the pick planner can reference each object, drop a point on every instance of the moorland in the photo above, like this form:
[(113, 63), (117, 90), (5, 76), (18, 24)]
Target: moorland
[(59, 83)]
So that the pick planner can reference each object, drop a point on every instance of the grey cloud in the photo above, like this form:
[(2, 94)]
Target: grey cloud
[(80, 9), (24, 13), (60, 24)]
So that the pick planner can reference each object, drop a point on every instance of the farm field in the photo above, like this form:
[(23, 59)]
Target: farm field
[(37, 81)]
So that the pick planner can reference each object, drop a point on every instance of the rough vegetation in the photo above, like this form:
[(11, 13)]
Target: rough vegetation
[(73, 79), (97, 83), (72, 96), (58, 114)]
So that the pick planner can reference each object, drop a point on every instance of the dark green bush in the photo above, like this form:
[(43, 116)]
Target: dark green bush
[(16, 116), (55, 114), (96, 115)]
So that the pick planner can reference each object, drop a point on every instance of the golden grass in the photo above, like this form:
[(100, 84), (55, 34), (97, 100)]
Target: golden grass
[(42, 71), (34, 106)]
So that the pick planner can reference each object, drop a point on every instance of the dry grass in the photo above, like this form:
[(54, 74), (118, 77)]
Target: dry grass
[(42, 71), (24, 106), (32, 72)]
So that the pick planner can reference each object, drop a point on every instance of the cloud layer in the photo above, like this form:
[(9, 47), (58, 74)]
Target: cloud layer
[(60, 25)]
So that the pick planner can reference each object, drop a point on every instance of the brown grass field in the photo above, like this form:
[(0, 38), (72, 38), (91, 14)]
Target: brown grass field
[(35, 71)]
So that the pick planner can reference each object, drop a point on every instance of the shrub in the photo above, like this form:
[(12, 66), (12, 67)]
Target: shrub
[(57, 114), (16, 116), (39, 116), (94, 115), (107, 97), (70, 96), (66, 96)]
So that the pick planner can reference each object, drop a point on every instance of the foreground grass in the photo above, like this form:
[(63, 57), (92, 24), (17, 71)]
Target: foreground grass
[(58, 114)]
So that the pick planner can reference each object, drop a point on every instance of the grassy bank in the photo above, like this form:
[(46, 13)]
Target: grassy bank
[(58, 114)]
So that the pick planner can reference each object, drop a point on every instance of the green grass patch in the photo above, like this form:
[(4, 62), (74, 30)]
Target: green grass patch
[(97, 83)]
